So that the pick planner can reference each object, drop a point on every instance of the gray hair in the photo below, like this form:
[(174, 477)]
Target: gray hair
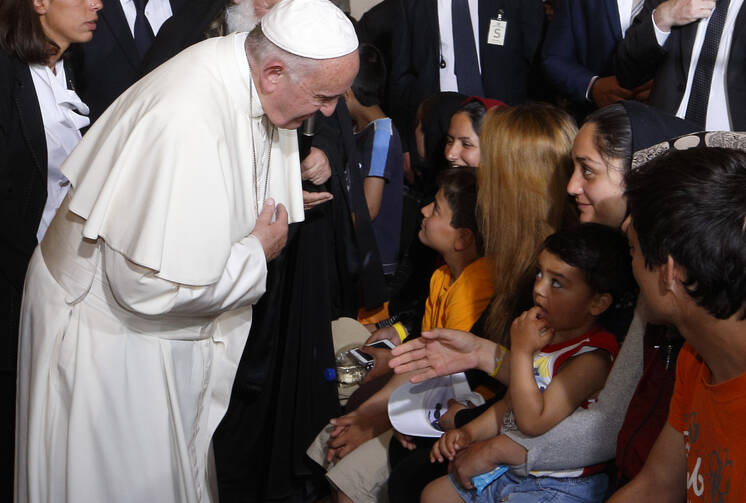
[(260, 50)]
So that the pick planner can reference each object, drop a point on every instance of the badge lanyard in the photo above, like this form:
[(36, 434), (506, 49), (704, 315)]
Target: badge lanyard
[(498, 29)]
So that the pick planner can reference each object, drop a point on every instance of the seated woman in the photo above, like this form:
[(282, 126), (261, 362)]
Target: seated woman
[(602, 154), (40, 122), (459, 292)]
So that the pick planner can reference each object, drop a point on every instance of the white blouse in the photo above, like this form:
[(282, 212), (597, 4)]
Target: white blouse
[(63, 114)]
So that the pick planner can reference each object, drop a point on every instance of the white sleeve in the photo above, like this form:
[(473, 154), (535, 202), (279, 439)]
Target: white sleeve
[(660, 35), (139, 289)]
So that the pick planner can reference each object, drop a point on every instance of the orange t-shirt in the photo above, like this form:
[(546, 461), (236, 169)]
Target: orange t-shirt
[(458, 305), (713, 420)]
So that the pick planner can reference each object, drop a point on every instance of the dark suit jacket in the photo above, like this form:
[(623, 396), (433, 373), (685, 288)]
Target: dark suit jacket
[(376, 27), (580, 44), (23, 191), (505, 69), (183, 29), (108, 64), (640, 58)]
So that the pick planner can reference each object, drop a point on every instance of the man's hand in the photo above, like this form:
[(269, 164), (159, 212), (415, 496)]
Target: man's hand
[(272, 235), (313, 199), (315, 167), (681, 12), (448, 419), (606, 90), (442, 351), (350, 432), (388, 333), (381, 365), (642, 92), (476, 459)]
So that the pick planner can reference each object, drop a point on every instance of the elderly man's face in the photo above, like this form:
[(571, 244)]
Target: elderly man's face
[(292, 102)]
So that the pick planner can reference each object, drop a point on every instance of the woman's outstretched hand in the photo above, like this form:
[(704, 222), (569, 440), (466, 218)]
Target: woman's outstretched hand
[(442, 351)]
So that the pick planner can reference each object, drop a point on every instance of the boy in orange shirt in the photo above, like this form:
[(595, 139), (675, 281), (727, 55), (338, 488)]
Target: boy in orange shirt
[(356, 454), (687, 233)]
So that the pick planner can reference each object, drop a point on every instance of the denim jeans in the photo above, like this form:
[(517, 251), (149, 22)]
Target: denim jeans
[(509, 487)]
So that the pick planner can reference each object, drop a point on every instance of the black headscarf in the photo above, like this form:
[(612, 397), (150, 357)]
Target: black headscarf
[(651, 125), (436, 118)]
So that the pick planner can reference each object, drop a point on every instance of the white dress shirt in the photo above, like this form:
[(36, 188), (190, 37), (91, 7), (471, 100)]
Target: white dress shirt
[(63, 114), (628, 10), (448, 81), (157, 12), (718, 111)]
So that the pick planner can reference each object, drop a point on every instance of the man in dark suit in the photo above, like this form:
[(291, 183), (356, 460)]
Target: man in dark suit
[(111, 62), (423, 53), (578, 51), (376, 27), (667, 41)]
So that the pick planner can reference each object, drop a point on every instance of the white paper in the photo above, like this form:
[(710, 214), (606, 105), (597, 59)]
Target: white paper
[(414, 407)]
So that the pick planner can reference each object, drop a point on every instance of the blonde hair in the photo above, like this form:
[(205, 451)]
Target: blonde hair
[(523, 173)]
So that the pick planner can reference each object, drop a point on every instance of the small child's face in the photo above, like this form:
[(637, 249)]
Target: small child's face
[(560, 291), (436, 230)]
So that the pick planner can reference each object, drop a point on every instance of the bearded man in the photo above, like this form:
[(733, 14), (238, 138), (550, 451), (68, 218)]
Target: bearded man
[(203, 19), (138, 302)]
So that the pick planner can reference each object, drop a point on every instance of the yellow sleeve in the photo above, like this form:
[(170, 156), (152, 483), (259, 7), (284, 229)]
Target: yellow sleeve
[(470, 296), (430, 318)]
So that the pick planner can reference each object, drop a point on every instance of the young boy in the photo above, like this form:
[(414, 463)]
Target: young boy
[(561, 351), (356, 454), (688, 244), (381, 151)]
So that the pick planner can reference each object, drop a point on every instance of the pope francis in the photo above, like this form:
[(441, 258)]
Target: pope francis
[(138, 302)]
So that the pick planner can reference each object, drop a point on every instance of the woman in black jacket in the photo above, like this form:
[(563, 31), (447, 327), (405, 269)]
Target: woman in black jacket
[(40, 118)]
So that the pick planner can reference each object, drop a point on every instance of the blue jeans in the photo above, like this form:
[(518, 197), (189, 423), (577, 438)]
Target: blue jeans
[(515, 489)]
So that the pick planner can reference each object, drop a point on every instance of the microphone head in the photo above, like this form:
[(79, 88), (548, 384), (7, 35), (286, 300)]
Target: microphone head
[(308, 128)]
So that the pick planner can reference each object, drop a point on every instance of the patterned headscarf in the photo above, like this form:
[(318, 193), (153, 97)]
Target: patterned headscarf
[(726, 139)]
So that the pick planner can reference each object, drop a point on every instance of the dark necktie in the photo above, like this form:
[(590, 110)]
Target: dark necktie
[(696, 109), (465, 65), (143, 32)]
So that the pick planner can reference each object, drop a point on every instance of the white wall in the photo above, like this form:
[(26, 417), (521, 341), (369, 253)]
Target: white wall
[(359, 7)]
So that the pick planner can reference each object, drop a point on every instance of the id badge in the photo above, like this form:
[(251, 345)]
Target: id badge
[(498, 30)]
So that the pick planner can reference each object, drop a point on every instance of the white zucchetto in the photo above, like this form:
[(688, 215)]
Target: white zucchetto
[(314, 29)]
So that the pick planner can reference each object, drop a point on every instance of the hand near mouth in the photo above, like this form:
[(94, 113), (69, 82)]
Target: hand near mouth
[(530, 331)]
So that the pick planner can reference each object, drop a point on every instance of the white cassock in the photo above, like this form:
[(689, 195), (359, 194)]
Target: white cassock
[(137, 303)]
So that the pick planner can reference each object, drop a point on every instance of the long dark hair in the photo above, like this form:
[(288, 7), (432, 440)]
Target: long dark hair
[(21, 32), (434, 113), (613, 135), (475, 111)]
